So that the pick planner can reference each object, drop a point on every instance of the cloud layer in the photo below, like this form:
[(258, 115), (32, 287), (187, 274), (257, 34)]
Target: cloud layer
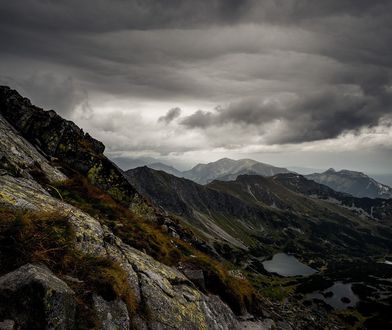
[(201, 79)]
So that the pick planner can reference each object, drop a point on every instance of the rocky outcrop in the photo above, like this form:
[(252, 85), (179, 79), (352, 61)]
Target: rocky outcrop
[(33, 298), (113, 315), (57, 138), (19, 158), (168, 299), (165, 297)]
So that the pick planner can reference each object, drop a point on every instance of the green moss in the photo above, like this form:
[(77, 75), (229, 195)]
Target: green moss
[(93, 173)]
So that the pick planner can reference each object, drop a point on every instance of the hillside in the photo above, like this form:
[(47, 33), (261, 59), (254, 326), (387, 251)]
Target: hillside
[(72, 234), (254, 211), (355, 183)]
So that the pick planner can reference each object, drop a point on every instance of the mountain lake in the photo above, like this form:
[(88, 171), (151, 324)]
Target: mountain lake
[(338, 296), (286, 265)]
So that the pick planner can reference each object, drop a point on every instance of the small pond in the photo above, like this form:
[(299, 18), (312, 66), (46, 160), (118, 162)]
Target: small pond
[(286, 265), (339, 296)]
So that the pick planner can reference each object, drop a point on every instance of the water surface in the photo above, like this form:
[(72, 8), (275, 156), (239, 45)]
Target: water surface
[(287, 265), (339, 290)]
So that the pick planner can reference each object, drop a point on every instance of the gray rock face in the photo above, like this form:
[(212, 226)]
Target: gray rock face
[(113, 315), (7, 325), (61, 139), (169, 299), (34, 298), (196, 276), (20, 158)]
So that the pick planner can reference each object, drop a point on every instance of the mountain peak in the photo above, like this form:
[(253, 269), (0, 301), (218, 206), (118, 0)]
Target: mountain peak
[(354, 183), (227, 169)]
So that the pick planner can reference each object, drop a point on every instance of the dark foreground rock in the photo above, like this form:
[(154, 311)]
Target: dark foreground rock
[(113, 315), (33, 298)]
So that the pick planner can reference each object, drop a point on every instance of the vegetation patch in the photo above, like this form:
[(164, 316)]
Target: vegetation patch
[(147, 236), (47, 238)]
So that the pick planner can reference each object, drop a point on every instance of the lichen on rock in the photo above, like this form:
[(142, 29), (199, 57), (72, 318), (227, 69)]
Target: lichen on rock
[(167, 298)]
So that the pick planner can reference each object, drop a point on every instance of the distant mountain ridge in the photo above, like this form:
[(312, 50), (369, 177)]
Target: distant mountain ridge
[(166, 168), (224, 169), (227, 169), (354, 183)]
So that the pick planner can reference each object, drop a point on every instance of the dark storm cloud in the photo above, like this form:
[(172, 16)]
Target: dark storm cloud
[(49, 91), (170, 115), (310, 117), (103, 15), (319, 68)]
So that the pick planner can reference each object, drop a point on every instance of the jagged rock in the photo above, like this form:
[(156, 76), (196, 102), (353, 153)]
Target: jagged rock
[(35, 298), (113, 315), (62, 139), (196, 276), (20, 158), (219, 315)]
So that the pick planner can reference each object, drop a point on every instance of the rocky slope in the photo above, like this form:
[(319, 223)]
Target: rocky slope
[(170, 300), (61, 140), (34, 150), (355, 183), (202, 208)]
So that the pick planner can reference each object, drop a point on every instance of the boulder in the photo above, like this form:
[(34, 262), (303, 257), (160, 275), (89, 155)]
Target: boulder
[(196, 276), (34, 298), (7, 325), (113, 315)]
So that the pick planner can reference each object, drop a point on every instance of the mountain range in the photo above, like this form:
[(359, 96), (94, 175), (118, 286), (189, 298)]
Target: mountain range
[(228, 169), (223, 169), (354, 183)]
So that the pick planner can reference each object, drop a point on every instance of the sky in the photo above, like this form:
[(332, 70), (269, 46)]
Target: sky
[(288, 82)]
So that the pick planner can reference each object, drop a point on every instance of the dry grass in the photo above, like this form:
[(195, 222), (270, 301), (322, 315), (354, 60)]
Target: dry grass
[(47, 238), (147, 236)]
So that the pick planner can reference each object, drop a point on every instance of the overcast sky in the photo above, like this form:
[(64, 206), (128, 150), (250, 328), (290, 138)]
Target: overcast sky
[(286, 82)]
